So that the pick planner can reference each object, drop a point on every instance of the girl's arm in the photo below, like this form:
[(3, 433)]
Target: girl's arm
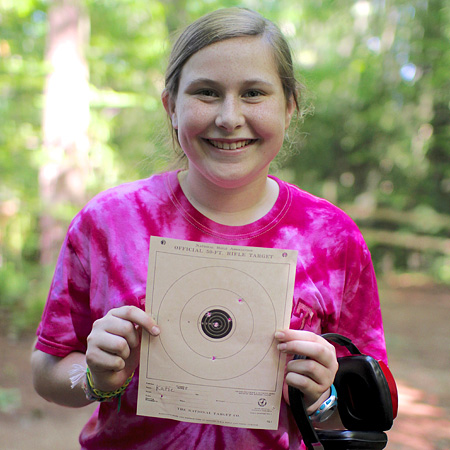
[(112, 356), (51, 378)]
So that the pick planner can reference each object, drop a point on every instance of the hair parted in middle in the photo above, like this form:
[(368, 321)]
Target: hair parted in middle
[(225, 24)]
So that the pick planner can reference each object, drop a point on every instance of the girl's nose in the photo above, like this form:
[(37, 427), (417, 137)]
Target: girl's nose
[(229, 116)]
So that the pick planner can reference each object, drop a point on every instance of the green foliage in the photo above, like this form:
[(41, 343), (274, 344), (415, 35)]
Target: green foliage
[(10, 400), (379, 136), (377, 143)]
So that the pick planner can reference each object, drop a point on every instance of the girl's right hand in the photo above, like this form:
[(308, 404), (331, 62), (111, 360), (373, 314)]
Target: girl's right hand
[(113, 346)]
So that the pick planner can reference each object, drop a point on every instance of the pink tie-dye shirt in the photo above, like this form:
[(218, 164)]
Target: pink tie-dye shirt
[(103, 265)]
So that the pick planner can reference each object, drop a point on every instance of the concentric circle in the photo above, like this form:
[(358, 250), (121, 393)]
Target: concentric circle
[(216, 323)]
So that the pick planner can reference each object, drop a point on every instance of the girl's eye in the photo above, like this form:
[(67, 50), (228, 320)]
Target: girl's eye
[(206, 93), (253, 93)]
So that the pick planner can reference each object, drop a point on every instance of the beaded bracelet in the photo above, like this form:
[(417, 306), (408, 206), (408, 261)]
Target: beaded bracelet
[(102, 396)]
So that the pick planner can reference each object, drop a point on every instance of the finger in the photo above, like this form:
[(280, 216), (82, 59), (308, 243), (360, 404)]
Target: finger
[(323, 354), (308, 345), (314, 393), (101, 361), (114, 335), (137, 316), (105, 349), (115, 345), (301, 335), (115, 326), (312, 370), (301, 382), (290, 340), (310, 377)]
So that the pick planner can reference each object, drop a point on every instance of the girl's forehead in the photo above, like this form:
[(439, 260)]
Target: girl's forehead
[(235, 55), (230, 45)]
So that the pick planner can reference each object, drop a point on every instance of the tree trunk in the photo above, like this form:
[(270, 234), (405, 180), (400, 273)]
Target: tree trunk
[(62, 177)]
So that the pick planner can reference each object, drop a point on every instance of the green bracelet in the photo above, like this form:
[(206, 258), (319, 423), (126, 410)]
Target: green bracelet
[(102, 396)]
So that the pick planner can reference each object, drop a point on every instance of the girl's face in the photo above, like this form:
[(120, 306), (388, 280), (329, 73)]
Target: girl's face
[(230, 112)]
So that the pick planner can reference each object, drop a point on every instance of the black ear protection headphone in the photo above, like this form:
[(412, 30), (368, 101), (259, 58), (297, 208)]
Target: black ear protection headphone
[(367, 403)]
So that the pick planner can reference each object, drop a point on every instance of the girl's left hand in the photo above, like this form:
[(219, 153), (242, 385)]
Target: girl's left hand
[(314, 375)]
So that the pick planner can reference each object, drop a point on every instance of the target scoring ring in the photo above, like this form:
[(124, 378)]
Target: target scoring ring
[(216, 323)]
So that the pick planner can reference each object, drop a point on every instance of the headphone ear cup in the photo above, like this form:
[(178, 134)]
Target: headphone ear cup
[(392, 387), (365, 401)]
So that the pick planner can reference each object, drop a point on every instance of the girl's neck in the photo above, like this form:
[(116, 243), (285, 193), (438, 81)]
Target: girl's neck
[(233, 207)]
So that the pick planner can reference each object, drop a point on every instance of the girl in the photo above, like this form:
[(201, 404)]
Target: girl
[(230, 96)]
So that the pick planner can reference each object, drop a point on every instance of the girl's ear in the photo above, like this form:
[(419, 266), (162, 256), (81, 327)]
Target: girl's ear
[(169, 106), (290, 109)]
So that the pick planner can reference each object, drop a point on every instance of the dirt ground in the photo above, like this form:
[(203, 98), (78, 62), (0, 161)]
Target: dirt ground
[(416, 324)]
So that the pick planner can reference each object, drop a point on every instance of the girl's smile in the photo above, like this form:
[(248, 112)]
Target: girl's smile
[(230, 145)]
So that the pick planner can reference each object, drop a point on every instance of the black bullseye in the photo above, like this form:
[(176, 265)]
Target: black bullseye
[(217, 324)]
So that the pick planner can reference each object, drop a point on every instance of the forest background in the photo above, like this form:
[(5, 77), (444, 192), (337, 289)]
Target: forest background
[(80, 111)]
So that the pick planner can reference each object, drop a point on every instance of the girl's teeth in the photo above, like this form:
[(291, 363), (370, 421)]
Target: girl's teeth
[(229, 146)]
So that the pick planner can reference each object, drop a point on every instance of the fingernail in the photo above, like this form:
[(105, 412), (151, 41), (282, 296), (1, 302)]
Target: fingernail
[(155, 330), (279, 335), (281, 347)]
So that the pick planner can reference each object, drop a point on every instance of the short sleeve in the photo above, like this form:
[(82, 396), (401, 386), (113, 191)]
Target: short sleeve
[(360, 318), (66, 320)]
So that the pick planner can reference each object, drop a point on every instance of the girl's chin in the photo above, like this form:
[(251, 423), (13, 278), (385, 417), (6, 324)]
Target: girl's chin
[(227, 178)]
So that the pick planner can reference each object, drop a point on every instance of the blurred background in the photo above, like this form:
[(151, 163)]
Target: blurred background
[(80, 111)]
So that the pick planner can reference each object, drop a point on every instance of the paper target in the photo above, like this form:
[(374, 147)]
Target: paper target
[(214, 328)]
